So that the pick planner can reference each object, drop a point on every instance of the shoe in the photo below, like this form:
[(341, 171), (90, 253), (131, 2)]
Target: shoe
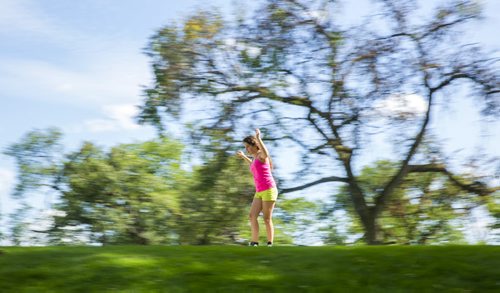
[(269, 244), (253, 244)]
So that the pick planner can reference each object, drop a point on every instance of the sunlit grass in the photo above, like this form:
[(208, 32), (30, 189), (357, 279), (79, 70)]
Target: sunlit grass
[(250, 269)]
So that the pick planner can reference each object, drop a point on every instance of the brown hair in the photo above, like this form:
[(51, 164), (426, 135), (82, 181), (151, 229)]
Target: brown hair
[(252, 140)]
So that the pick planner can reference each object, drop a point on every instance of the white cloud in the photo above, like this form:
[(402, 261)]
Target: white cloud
[(402, 105), (81, 67), (254, 52), (21, 16), (100, 125), (110, 80), (7, 181), (319, 15), (7, 178), (29, 18), (119, 117), (230, 42)]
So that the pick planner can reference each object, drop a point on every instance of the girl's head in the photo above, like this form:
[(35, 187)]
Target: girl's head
[(251, 144)]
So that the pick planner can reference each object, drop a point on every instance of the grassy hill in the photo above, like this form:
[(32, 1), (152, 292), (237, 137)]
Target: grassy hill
[(250, 269)]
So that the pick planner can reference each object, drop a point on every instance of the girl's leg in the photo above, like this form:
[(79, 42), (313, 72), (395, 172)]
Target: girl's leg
[(254, 213), (267, 210)]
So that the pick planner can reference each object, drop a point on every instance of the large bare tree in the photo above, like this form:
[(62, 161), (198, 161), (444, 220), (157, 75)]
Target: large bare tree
[(292, 69)]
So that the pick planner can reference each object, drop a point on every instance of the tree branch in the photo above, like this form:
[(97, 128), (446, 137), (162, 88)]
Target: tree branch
[(403, 170), (476, 187), (449, 80), (322, 180), (440, 26)]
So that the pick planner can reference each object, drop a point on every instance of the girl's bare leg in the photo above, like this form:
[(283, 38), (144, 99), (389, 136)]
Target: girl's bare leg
[(254, 214), (267, 210)]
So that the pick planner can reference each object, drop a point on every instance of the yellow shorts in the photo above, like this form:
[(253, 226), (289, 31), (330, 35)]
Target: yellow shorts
[(270, 194)]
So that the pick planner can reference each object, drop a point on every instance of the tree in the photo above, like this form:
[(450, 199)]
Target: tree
[(126, 195), (493, 205), (426, 208), (37, 165), (311, 83)]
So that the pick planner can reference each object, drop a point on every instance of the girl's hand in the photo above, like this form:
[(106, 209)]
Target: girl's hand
[(240, 154), (257, 133)]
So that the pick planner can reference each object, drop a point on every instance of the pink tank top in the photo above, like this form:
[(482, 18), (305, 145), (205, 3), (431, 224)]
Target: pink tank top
[(262, 175)]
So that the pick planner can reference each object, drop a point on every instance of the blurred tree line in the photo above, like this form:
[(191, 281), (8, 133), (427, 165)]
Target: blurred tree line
[(140, 194), (134, 194), (131, 194), (312, 85)]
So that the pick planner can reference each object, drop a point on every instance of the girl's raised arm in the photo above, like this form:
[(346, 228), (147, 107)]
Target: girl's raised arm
[(265, 152)]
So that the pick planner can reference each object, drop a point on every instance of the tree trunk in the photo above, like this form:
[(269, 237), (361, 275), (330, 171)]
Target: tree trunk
[(372, 231)]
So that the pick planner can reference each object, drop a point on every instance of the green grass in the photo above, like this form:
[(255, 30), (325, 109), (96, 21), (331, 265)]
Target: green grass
[(250, 269)]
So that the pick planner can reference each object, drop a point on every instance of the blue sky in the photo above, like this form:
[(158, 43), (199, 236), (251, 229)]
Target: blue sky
[(78, 65)]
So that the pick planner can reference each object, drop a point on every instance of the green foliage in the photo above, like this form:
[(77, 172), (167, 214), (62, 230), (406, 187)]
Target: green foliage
[(215, 206), (204, 25), (128, 195), (427, 208), (19, 226), (125, 195), (295, 217), (37, 159), (175, 50), (493, 206)]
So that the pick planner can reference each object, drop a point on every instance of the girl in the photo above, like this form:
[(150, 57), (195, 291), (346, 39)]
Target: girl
[(265, 186)]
